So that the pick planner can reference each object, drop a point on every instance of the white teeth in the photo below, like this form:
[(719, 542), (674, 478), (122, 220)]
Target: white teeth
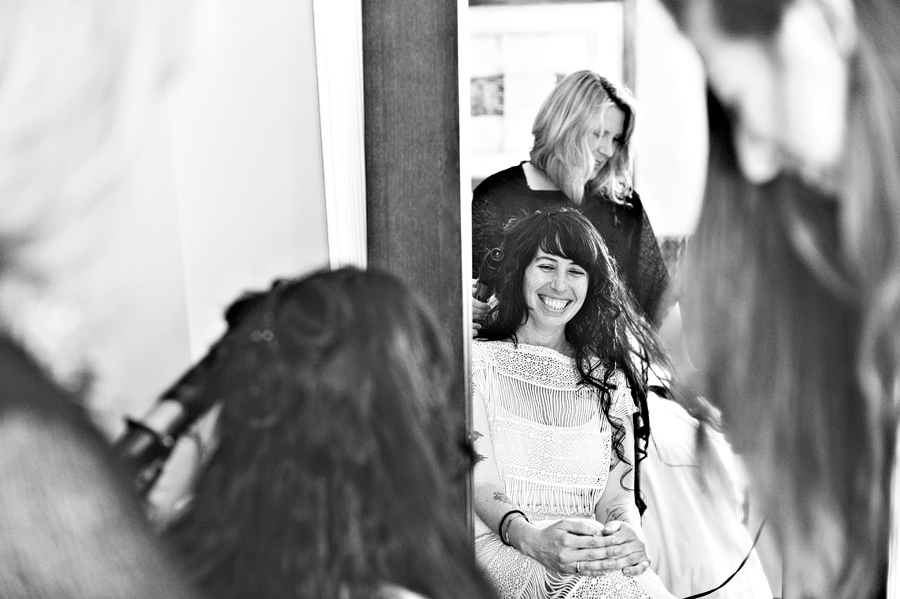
[(555, 304)]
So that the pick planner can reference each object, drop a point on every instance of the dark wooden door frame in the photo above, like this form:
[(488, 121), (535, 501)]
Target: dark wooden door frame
[(411, 98)]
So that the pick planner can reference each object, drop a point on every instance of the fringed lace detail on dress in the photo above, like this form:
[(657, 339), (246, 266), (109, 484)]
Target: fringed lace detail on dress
[(552, 446)]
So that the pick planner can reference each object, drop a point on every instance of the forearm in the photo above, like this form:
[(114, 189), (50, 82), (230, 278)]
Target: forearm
[(619, 508), (490, 500), (617, 503), (491, 505)]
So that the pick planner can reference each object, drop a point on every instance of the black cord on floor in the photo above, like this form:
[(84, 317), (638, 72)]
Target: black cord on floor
[(733, 574)]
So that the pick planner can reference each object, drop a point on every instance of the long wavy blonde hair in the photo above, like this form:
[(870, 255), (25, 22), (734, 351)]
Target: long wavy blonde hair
[(562, 131), (797, 298)]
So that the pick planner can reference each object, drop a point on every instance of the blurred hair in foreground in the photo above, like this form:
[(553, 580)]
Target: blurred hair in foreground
[(784, 353), (339, 465), (78, 82), (797, 291)]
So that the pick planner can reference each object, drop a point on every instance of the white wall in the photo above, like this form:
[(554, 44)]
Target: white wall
[(226, 194), (247, 153), (134, 295)]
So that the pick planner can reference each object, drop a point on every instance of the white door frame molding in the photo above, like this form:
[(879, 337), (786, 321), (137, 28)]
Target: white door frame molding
[(339, 66)]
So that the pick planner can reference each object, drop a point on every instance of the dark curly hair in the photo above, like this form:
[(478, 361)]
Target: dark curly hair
[(339, 465), (608, 333)]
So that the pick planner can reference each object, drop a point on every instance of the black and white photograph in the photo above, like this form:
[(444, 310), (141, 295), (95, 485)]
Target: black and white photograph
[(484, 299)]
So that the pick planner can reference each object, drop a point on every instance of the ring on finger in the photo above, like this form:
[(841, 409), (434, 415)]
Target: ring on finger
[(577, 567)]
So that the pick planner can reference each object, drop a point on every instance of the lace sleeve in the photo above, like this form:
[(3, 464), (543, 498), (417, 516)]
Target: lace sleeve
[(479, 369), (653, 276)]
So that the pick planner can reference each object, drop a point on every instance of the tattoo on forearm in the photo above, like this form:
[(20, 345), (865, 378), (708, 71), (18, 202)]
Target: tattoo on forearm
[(500, 496)]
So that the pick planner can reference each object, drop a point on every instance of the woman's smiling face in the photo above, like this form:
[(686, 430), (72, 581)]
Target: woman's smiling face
[(554, 288)]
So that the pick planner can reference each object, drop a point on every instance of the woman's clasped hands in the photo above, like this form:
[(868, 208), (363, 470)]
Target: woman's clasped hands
[(582, 546)]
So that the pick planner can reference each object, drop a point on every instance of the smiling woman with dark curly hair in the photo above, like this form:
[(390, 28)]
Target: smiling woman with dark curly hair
[(562, 368), (339, 465)]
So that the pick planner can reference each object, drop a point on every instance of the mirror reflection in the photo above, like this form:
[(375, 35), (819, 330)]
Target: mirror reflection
[(551, 132), (147, 181)]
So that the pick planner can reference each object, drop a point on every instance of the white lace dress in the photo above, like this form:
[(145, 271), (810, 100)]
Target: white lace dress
[(552, 447)]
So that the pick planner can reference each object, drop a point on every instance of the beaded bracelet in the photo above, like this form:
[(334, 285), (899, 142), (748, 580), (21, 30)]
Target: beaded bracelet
[(504, 535)]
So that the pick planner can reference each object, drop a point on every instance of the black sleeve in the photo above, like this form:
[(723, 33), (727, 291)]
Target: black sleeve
[(653, 276), (69, 523)]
